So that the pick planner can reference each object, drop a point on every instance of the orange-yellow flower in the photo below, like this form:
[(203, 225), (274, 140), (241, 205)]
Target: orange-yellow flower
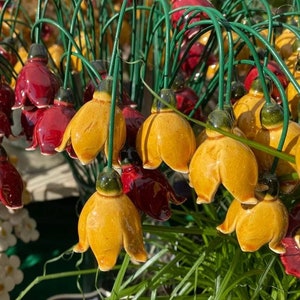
[(257, 225), (167, 137), (88, 129), (223, 160), (108, 222)]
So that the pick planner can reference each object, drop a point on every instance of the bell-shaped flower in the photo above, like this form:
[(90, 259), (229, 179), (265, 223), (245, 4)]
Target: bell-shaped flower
[(247, 110), (11, 183), (29, 118), (110, 221), (270, 135), (291, 258), (88, 129), (259, 224), (166, 137), (5, 128), (149, 190), (51, 124), (134, 120), (215, 159), (36, 85)]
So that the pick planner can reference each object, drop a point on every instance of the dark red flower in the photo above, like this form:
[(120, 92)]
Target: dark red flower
[(29, 118), (7, 50), (149, 190), (273, 67), (5, 129), (193, 56), (179, 18), (101, 67), (134, 119), (51, 124), (7, 99), (291, 258), (11, 183), (36, 85)]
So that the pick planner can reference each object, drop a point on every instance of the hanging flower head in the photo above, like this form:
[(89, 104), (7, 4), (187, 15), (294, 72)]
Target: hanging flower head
[(11, 183), (36, 85), (149, 190), (216, 158), (258, 224), (52, 122), (110, 221), (7, 98), (88, 129), (165, 136)]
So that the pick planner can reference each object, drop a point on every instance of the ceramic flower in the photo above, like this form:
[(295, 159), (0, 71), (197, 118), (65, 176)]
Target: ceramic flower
[(261, 223), (223, 160), (36, 85), (292, 94), (5, 129), (257, 225), (284, 43), (273, 67), (186, 98), (291, 258), (88, 129), (166, 137), (149, 190), (11, 183), (51, 124), (179, 17), (247, 110), (134, 120), (108, 222), (29, 117), (270, 135)]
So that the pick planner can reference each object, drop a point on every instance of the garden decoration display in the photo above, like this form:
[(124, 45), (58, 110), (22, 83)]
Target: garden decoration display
[(180, 123)]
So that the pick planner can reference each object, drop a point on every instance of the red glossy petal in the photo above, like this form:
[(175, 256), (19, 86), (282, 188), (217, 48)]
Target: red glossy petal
[(291, 258)]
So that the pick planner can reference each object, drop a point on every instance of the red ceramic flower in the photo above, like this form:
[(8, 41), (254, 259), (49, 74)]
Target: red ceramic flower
[(5, 129), (7, 50), (52, 122), (291, 258), (179, 18), (273, 67), (134, 119), (100, 67), (193, 56), (149, 190), (36, 85), (11, 183), (7, 99), (28, 120)]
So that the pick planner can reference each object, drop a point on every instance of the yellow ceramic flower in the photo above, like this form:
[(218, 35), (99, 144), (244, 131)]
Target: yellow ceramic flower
[(293, 96), (167, 137), (88, 129), (284, 43), (223, 160), (257, 225), (270, 135), (108, 222), (247, 110)]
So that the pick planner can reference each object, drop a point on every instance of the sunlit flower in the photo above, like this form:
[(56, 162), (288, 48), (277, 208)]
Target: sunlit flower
[(110, 221), (88, 129), (259, 224), (216, 158), (166, 137)]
